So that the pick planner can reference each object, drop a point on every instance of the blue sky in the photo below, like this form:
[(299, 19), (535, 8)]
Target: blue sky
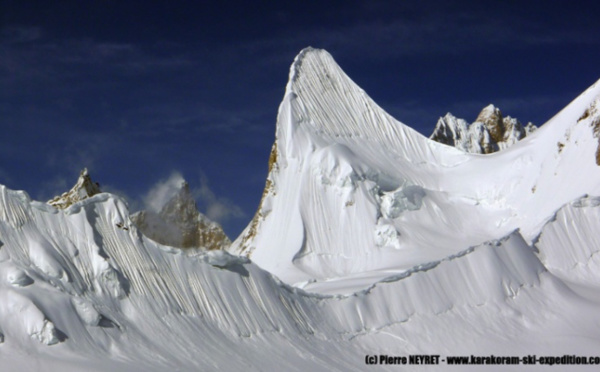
[(146, 92)]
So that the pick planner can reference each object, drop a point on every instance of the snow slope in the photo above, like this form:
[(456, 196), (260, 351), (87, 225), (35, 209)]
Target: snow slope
[(403, 246), (79, 292)]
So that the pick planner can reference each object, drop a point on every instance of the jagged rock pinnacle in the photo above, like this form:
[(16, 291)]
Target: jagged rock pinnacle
[(491, 117), (489, 133), (83, 189), (180, 224)]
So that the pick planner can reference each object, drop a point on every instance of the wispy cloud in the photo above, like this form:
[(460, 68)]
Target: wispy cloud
[(440, 29), (54, 186), (20, 34), (216, 208), (161, 192), (196, 118), (26, 56)]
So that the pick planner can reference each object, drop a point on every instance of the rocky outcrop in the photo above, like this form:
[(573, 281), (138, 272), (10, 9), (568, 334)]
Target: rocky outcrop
[(489, 133), (83, 189)]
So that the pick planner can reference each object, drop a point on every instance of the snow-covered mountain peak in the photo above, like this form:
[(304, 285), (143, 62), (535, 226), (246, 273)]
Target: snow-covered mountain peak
[(83, 189), (353, 195), (305, 54), (322, 105), (335, 164), (180, 224)]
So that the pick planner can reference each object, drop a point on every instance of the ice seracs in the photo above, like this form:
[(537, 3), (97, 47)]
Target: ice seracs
[(180, 224), (489, 133)]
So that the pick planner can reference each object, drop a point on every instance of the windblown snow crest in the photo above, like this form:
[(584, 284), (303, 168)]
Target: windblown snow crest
[(369, 239)]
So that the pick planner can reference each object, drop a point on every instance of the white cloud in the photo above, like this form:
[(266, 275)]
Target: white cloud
[(163, 191), (20, 34), (216, 208)]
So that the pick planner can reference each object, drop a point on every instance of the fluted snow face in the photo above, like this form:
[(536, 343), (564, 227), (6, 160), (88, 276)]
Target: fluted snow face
[(80, 288)]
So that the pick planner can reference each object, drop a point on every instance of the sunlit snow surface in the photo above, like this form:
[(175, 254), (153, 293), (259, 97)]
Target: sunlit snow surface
[(402, 245)]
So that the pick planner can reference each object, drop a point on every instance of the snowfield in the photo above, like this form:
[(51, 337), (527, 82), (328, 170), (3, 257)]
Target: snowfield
[(370, 239)]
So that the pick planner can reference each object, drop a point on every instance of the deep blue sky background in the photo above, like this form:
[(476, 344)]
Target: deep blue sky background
[(144, 91)]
